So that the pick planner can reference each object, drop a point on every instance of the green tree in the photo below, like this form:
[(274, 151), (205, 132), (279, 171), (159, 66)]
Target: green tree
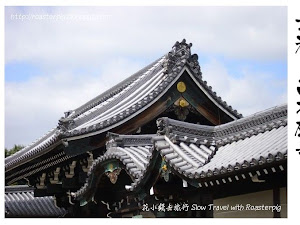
[(13, 150)]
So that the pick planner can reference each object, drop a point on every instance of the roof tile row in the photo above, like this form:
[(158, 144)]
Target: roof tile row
[(20, 202)]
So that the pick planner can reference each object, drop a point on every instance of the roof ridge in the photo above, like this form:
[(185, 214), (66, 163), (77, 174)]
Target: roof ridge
[(276, 111), (110, 92), (18, 188), (127, 91), (128, 140), (229, 132)]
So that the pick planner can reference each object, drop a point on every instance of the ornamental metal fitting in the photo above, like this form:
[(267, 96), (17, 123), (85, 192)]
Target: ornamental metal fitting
[(181, 87), (113, 176), (165, 171), (181, 112)]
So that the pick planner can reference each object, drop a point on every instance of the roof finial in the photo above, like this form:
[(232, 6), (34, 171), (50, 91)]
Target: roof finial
[(182, 46)]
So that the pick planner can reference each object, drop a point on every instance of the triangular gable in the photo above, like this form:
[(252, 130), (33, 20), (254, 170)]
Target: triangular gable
[(141, 93)]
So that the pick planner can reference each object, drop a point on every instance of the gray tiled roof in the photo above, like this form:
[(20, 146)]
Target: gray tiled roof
[(198, 161), (33, 149), (225, 133), (20, 202), (122, 102), (255, 150), (198, 151), (111, 92)]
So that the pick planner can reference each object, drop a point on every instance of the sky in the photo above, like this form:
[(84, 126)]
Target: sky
[(58, 58)]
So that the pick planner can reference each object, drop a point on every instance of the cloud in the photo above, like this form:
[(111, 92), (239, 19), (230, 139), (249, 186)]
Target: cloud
[(33, 107), (258, 33), (248, 93), (79, 59)]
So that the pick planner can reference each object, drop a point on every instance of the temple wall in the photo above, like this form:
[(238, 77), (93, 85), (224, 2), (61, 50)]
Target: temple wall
[(256, 199)]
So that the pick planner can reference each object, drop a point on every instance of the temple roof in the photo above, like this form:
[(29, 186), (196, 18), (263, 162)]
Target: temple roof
[(20, 202), (252, 141), (122, 103), (198, 152)]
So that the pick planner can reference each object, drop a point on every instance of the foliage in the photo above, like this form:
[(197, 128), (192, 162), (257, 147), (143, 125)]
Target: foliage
[(13, 150)]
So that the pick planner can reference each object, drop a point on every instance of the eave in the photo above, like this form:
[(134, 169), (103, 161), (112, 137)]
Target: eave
[(86, 122), (207, 161)]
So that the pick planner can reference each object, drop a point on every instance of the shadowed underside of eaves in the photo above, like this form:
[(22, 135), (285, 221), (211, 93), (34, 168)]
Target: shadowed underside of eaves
[(196, 153), (119, 105)]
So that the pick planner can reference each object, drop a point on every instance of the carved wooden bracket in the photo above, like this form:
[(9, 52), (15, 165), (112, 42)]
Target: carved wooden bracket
[(41, 185), (55, 179), (90, 162), (72, 167)]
